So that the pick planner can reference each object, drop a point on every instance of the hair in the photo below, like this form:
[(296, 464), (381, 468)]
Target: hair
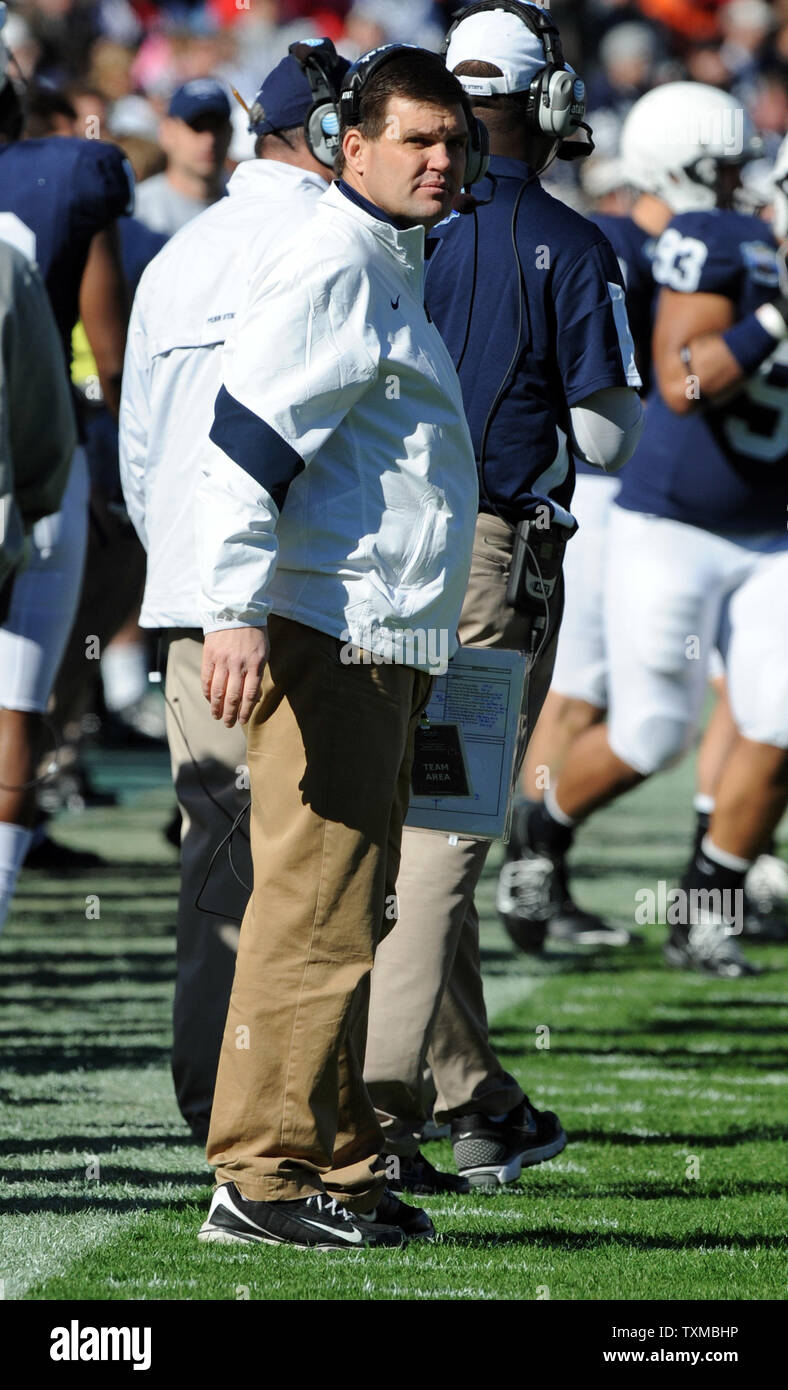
[(502, 115), (292, 136), (416, 75), (42, 105)]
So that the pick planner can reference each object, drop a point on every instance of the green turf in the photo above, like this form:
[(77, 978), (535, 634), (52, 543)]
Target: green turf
[(657, 1075)]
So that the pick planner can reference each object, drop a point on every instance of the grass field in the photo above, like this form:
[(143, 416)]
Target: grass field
[(668, 1085)]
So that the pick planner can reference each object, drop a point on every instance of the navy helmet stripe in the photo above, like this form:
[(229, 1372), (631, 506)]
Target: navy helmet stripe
[(254, 446)]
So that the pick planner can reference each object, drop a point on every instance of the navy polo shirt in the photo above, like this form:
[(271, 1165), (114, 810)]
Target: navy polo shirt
[(539, 352)]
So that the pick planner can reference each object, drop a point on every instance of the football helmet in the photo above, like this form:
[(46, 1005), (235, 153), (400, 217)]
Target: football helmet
[(677, 141)]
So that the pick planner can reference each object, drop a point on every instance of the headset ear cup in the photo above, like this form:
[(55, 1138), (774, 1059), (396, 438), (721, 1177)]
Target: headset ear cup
[(558, 116), (322, 143), (478, 156)]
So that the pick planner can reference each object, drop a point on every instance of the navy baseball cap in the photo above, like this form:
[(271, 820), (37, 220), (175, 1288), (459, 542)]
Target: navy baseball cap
[(200, 97), (286, 95)]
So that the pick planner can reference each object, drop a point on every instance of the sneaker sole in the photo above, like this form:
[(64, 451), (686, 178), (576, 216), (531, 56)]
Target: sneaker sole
[(498, 1175), (217, 1235), (613, 936), (680, 960)]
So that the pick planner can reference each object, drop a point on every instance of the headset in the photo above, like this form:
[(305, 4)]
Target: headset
[(324, 70), (556, 98), (478, 151)]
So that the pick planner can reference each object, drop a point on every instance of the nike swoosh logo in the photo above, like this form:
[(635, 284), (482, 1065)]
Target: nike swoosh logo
[(395, 303), (353, 1237)]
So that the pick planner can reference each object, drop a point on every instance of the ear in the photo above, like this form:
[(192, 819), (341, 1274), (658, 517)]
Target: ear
[(354, 149)]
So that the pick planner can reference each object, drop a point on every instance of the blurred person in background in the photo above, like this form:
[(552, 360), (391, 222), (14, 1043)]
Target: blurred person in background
[(770, 105), (746, 26), (109, 603), (91, 110), (70, 232), (195, 136), (36, 449), (628, 56)]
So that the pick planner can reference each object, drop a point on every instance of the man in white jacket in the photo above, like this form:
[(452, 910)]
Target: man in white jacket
[(336, 514), (187, 299)]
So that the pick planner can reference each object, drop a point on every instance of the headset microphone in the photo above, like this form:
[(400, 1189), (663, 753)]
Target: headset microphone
[(464, 203), (577, 149)]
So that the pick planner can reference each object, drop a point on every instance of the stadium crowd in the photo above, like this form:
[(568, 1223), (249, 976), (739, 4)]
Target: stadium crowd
[(162, 156)]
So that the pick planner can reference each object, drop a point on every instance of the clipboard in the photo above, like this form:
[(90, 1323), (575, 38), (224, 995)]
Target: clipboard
[(465, 764)]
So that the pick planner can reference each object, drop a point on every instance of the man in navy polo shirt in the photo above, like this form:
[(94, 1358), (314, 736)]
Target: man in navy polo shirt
[(529, 299)]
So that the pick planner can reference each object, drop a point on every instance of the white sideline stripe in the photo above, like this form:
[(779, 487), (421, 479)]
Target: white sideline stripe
[(33, 1252), (29, 1255)]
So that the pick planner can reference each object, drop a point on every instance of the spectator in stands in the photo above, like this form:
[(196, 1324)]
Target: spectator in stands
[(195, 135)]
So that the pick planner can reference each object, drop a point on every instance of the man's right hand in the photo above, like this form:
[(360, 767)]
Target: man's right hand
[(233, 662)]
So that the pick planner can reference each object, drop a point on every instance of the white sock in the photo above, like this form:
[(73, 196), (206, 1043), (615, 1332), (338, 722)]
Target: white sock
[(14, 844), (124, 674), (721, 856), (553, 809), (704, 805)]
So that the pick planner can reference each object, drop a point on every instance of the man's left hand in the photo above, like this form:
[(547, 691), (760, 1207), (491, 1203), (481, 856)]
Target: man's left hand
[(233, 662)]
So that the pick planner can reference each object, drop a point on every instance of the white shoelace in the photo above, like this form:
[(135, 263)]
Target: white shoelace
[(330, 1205)]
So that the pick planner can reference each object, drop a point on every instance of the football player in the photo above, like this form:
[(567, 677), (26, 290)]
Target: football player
[(59, 198), (697, 550)]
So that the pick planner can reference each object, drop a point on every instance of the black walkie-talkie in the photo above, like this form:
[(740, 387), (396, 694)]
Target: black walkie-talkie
[(537, 557)]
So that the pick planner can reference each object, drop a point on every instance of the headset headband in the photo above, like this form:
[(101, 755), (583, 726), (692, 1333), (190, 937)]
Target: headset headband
[(357, 77), (317, 61)]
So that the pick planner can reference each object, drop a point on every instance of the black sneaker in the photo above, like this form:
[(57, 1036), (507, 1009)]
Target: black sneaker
[(572, 925), (765, 900), (708, 946), (48, 854), (311, 1223), (535, 904), (416, 1174), (524, 899), (760, 925), (490, 1154), (390, 1211)]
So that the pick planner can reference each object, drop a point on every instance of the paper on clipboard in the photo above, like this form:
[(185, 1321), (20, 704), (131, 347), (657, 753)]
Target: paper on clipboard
[(475, 712)]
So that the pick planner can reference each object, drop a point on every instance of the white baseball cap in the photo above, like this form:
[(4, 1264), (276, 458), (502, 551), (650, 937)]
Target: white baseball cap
[(499, 37)]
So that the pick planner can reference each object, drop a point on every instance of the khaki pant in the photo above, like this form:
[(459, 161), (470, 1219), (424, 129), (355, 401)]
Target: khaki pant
[(208, 762), (427, 1000), (329, 748)]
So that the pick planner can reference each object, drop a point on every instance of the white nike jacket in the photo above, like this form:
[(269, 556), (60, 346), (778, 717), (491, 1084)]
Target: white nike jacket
[(339, 484), (186, 299)]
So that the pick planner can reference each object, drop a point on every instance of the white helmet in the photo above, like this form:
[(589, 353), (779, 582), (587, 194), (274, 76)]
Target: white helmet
[(780, 192), (677, 138)]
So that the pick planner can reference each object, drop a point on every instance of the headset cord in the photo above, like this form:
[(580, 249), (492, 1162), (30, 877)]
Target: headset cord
[(226, 916), (473, 290)]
